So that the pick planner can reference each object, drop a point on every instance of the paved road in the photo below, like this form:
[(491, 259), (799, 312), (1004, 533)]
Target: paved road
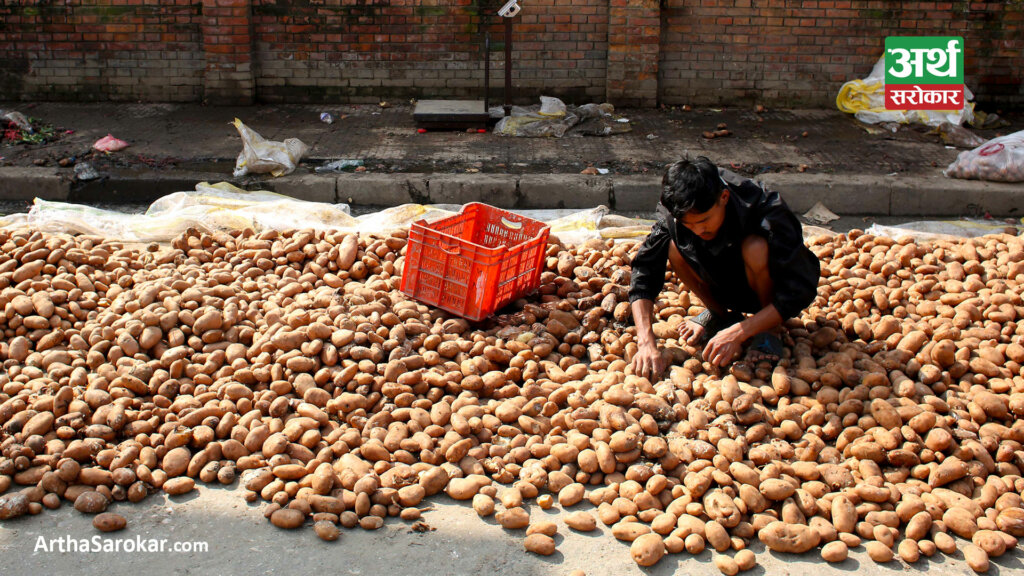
[(241, 541)]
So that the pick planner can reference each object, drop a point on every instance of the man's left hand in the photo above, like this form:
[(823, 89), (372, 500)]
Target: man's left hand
[(725, 346)]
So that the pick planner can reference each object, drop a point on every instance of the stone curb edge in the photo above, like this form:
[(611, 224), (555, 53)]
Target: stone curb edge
[(854, 194)]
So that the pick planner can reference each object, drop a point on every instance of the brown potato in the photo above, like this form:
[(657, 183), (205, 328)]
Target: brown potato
[(647, 549), (109, 522)]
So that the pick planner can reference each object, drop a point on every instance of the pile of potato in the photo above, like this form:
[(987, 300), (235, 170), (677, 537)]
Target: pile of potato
[(290, 361)]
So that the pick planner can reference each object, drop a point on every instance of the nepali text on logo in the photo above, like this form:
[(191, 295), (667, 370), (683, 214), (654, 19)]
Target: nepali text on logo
[(924, 73)]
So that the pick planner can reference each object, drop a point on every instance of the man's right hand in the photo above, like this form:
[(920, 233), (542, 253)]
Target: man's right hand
[(649, 362)]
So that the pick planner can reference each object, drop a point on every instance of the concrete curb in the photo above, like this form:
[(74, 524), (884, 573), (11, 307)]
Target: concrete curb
[(854, 194)]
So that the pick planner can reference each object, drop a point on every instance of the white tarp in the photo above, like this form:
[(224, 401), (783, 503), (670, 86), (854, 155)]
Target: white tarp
[(223, 207)]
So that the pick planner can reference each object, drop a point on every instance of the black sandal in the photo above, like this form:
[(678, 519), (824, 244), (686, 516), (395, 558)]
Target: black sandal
[(768, 344), (713, 323)]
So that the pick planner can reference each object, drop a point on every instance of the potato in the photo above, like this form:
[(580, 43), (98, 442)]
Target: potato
[(726, 565), (878, 552), (483, 505), (545, 527), (326, 531), (745, 560), (835, 552), (539, 544), (976, 558), (179, 486), (287, 518), (109, 522), (513, 518), (581, 521), (629, 531), (91, 502), (647, 549), (793, 538)]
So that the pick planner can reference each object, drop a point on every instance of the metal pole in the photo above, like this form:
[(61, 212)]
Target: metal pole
[(487, 72), (508, 66)]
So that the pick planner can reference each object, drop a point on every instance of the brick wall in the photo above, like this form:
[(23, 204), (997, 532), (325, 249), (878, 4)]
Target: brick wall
[(631, 52), (799, 52), (367, 51), (101, 50)]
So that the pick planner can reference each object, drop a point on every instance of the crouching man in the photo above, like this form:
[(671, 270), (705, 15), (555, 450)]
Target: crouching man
[(735, 246)]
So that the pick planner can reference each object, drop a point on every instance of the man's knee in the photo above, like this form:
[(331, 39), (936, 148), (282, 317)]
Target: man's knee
[(755, 253)]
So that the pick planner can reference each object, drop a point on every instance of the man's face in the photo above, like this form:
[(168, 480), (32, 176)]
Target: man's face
[(707, 224)]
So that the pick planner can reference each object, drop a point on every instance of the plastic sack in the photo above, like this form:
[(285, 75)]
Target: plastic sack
[(110, 144), (998, 160), (865, 99), (261, 156), (532, 126), (552, 107)]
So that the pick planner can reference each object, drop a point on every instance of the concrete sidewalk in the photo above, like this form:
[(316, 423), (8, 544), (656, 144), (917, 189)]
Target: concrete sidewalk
[(809, 155)]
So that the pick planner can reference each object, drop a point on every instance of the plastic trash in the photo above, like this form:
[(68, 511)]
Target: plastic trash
[(16, 118), (552, 107), (958, 136), (261, 156), (326, 118), (339, 165), (110, 144), (84, 171), (998, 160)]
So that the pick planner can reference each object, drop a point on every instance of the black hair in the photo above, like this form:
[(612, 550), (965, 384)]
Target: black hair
[(691, 186)]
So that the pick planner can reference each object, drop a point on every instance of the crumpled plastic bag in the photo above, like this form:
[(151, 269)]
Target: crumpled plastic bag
[(552, 107), (16, 118), (998, 160), (261, 156), (958, 136), (865, 99), (110, 144)]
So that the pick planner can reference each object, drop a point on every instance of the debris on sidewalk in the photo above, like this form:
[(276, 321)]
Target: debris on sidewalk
[(110, 144), (953, 135), (865, 99), (16, 128), (998, 160), (340, 165), (17, 119), (712, 134), (985, 121), (84, 171), (261, 156), (820, 215), (552, 118), (326, 118)]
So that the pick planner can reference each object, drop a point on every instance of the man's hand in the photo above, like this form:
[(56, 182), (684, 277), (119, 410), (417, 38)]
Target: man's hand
[(649, 362), (691, 332), (725, 346)]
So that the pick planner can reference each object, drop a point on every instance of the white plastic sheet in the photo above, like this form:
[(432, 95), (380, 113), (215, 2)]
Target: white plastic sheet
[(224, 207), (926, 230)]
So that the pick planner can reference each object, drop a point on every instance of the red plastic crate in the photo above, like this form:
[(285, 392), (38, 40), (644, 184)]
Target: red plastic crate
[(474, 262)]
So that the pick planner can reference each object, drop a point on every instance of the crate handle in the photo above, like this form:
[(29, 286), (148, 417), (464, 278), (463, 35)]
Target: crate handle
[(453, 252), (510, 224)]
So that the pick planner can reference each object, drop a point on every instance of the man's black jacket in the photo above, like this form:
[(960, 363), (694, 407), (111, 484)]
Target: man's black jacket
[(794, 269)]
